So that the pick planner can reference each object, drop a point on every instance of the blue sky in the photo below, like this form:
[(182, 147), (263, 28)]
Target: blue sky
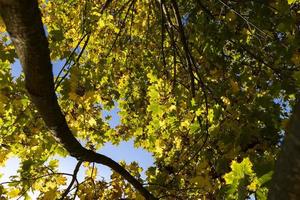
[(124, 151)]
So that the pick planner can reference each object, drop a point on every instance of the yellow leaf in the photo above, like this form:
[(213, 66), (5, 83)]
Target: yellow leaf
[(13, 193), (110, 17), (159, 147), (185, 123), (50, 195), (3, 157), (61, 180), (86, 164), (101, 24), (296, 58), (177, 142), (53, 163), (91, 172), (73, 96), (201, 181), (139, 197), (2, 107), (89, 95), (172, 107), (199, 112), (292, 1), (230, 16), (253, 186), (2, 26), (225, 100), (234, 86), (92, 122), (3, 98), (37, 186)]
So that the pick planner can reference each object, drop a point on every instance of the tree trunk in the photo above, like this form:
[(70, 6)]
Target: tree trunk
[(286, 178)]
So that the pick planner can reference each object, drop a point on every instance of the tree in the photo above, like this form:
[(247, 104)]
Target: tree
[(206, 86)]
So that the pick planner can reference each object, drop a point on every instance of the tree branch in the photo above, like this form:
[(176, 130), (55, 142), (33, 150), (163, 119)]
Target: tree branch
[(184, 42), (74, 178)]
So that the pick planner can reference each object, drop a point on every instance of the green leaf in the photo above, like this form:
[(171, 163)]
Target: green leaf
[(292, 1), (53, 164), (265, 178)]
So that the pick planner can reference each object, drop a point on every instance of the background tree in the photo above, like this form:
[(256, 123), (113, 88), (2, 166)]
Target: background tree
[(207, 86)]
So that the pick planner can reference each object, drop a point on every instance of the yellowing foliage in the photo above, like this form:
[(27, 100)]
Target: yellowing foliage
[(209, 97)]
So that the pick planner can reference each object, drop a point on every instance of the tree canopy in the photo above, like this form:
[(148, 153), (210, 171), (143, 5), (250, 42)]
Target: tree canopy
[(209, 87)]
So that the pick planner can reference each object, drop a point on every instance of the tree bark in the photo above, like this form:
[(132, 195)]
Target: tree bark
[(286, 178), (24, 25)]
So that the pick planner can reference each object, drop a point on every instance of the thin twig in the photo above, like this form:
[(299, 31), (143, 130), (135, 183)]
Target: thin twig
[(76, 62), (120, 30), (247, 21), (74, 177), (163, 36), (68, 61)]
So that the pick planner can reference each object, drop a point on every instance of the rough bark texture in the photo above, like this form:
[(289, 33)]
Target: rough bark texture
[(23, 22), (286, 178)]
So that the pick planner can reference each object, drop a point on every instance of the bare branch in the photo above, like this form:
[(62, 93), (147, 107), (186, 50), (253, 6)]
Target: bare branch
[(74, 177)]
